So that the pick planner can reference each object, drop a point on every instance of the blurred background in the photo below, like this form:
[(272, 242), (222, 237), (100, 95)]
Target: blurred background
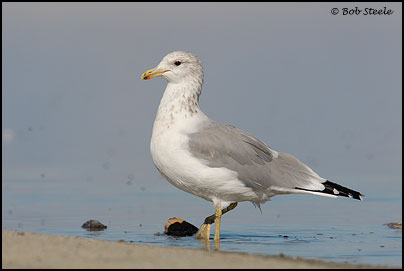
[(77, 119)]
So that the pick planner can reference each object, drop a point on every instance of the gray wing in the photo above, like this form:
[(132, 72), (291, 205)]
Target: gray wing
[(258, 166)]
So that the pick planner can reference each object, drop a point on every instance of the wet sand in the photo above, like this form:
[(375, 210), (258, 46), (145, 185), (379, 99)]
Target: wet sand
[(29, 250)]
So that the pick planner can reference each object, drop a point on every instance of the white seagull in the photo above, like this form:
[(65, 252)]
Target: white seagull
[(217, 161)]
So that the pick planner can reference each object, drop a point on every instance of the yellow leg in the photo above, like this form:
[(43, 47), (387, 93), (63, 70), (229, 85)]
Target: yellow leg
[(204, 230), (218, 215)]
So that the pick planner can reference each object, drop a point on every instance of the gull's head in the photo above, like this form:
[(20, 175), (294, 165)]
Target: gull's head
[(177, 67)]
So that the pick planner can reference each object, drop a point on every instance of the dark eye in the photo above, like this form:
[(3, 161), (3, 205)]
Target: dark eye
[(177, 63)]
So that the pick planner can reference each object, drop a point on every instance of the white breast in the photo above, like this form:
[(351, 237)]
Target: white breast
[(172, 158), (175, 120)]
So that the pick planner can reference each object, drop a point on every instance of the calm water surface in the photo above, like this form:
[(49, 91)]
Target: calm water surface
[(340, 230)]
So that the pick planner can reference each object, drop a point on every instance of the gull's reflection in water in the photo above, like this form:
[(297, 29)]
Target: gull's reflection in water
[(207, 245)]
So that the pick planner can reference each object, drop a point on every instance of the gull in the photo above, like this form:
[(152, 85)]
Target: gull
[(216, 161)]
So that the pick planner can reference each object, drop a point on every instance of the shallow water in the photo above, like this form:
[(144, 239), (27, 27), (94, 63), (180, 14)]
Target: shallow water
[(340, 230)]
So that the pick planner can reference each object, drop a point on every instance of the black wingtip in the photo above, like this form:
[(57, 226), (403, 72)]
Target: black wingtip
[(339, 190)]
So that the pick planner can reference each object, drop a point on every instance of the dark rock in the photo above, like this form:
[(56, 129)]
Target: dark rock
[(93, 225), (178, 227)]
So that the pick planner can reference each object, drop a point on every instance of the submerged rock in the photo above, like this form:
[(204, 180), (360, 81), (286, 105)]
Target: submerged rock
[(395, 225), (93, 225), (179, 227)]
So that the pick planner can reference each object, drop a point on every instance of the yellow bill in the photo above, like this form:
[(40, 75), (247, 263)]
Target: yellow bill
[(149, 74)]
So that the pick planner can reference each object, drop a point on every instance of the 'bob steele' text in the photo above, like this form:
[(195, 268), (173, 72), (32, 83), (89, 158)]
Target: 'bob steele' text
[(367, 11)]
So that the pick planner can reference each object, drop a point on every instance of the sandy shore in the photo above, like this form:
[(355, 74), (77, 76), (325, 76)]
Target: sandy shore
[(28, 250)]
